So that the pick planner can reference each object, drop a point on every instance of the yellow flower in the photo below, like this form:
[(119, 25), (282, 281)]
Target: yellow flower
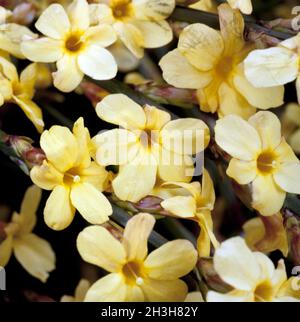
[(291, 126), (197, 205), (275, 66), (251, 274), (33, 253), (266, 234), (135, 275), (139, 24), (245, 6), (148, 146), (20, 90), (261, 156), (75, 180), (205, 5), (80, 292), (212, 62), (75, 46)]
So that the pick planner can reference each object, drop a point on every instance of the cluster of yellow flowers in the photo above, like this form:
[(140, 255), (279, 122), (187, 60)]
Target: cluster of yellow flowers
[(151, 154)]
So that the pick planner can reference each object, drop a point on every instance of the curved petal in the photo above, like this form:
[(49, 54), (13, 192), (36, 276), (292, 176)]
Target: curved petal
[(136, 234), (185, 136), (110, 288), (96, 175), (32, 111), (268, 127), (237, 137), (267, 196), (79, 14), (59, 212), (6, 248), (244, 5), (181, 206), (164, 291), (54, 22), (271, 67), (288, 177), (285, 153), (101, 35), (91, 203), (35, 255), (156, 118), (131, 37), (97, 246), (68, 75), (201, 45), (236, 264), (208, 195), (172, 260), (136, 179), (177, 71), (98, 63), (233, 296), (115, 147), (60, 147), (119, 109), (9, 70), (243, 172), (153, 9), (262, 98), (46, 176), (155, 33), (43, 50)]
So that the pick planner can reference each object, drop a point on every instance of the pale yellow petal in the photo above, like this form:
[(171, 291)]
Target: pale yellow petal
[(131, 37), (181, 206), (236, 264), (290, 288), (136, 234), (201, 45), (262, 98), (101, 35), (95, 174), (244, 5), (60, 147), (136, 179), (110, 288), (32, 111), (59, 212), (154, 10), (268, 127), (6, 247), (243, 172), (285, 153), (177, 71), (294, 141), (119, 109), (68, 75), (53, 22), (35, 255), (172, 260), (46, 176), (271, 67), (98, 63), (194, 297), (288, 177), (97, 246), (185, 136), (91, 203), (233, 296), (43, 50), (28, 79), (134, 294), (237, 137), (164, 291), (155, 33), (79, 14), (267, 196), (208, 196), (9, 70), (156, 118)]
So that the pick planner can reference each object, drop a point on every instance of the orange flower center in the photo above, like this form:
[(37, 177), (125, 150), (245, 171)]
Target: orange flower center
[(71, 176), (266, 162), (224, 67), (73, 43), (122, 9), (133, 273), (264, 292)]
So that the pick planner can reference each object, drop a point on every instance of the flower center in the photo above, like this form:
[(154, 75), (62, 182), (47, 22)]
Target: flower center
[(122, 9), (133, 273), (264, 292), (71, 177), (73, 43), (266, 162), (224, 67)]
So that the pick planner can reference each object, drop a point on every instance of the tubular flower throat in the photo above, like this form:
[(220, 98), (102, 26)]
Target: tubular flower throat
[(134, 275), (75, 45), (139, 24), (261, 156), (75, 180), (212, 62), (251, 274), (32, 252), (196, 206), (149, 145)]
